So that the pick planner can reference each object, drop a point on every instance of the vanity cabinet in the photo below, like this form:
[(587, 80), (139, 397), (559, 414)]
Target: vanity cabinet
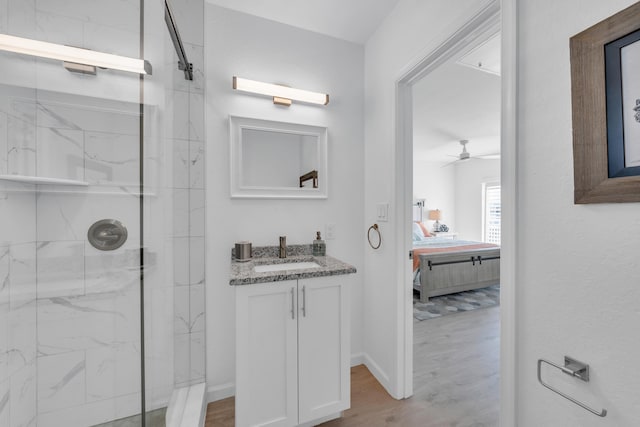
[(292, 352)]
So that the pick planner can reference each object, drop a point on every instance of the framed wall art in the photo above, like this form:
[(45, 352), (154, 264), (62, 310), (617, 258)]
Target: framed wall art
[(605, 92)]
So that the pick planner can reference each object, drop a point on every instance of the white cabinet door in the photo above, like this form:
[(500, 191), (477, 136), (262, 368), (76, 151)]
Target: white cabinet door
[(266, 354), (323, 347)]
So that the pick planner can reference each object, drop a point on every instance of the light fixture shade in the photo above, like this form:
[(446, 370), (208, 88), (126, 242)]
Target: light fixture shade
[(73, 54), (278, 91), (435, 215)]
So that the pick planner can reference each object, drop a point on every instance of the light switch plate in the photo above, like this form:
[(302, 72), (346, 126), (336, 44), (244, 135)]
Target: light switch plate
[(330, 231), (382, 212)]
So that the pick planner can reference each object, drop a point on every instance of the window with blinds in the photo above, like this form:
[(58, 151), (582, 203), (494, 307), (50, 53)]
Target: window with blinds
[(492, 213)]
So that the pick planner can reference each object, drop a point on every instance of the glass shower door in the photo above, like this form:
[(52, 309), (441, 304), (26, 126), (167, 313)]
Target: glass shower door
[(76, 149)]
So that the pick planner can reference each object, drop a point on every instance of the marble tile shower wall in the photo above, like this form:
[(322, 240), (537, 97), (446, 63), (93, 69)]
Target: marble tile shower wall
[(18, 309), (85, 346), (189, 200)]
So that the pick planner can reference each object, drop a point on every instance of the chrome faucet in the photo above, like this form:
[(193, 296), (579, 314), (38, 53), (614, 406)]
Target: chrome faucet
[(283, 247)]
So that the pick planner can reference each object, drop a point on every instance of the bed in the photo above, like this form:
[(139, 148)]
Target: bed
[(442, 265)]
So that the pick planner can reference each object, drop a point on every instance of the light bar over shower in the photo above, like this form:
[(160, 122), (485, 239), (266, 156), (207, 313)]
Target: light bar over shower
[(183, 62), (73, 54)]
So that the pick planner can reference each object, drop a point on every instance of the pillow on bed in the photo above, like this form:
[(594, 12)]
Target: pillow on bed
[(417, 232), (424, 229), (420, 232)]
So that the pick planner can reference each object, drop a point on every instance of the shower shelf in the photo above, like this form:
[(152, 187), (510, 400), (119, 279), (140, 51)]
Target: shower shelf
[(43, 180), (71, 186)]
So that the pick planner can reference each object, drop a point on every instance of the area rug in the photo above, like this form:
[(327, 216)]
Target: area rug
[(456, 303)]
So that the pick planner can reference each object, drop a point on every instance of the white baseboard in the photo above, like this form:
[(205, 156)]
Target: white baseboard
[(379, 374), (219, 392), (357, 359)]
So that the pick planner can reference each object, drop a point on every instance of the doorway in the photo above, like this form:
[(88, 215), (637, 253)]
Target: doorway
[(477, 30), (456, 222)]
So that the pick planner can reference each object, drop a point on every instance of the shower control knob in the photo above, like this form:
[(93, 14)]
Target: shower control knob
[(107, 234)]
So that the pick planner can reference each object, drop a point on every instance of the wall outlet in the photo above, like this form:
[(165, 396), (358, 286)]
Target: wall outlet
[(330, 231), (382, 212)]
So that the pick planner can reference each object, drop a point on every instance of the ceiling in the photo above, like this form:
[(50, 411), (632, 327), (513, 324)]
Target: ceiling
[(459, 100), (351, 20)]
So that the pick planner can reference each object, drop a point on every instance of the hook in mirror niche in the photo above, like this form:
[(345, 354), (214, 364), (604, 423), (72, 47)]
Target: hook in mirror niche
[(272, 159)]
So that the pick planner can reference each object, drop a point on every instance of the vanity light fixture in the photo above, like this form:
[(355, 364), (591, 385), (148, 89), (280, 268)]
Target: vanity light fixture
[(282, 95), (74, 67), (73, 55)]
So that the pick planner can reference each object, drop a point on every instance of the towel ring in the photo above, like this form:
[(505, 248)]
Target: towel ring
[(375, 228), (575, 369)]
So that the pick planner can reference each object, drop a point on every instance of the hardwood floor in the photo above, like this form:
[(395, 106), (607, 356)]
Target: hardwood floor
[(456, 380), (221, 413)]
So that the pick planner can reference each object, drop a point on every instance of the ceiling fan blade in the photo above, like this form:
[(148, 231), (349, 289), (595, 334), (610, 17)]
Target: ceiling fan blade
[(466, 155), (490, 156)]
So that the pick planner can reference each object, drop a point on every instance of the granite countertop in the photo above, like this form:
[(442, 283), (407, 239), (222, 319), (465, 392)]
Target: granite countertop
[(243, 273)]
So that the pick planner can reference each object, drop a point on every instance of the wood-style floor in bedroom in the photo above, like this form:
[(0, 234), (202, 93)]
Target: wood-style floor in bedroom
[(456, 380)]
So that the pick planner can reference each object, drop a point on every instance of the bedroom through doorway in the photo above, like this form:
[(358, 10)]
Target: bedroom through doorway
[(456, 226)]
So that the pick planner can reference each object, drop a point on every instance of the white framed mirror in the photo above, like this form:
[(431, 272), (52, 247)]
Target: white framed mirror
[(272, 159)]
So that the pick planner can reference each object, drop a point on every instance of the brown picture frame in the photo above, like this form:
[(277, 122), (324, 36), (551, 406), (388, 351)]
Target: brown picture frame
[(592, 181)]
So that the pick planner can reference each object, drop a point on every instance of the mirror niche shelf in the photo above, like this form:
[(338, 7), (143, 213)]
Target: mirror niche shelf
[(282, 160)]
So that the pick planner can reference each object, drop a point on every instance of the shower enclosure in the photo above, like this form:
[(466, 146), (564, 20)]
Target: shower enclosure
[(101, 214)]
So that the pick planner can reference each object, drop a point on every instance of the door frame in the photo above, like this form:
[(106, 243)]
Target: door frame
[(498, 14)]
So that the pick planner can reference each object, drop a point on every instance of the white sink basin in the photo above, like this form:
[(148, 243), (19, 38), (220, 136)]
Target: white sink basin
[(286, 266)]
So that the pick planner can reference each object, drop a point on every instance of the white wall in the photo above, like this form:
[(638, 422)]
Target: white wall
[(412, 30), (578, 269), (246, 46), (457, 191), (469, 177), (436, 184)]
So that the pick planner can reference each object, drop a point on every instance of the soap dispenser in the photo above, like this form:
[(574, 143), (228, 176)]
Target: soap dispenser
[(319, 247)]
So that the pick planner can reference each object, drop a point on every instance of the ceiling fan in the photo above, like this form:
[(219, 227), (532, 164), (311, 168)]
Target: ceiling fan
[(465, 155)]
